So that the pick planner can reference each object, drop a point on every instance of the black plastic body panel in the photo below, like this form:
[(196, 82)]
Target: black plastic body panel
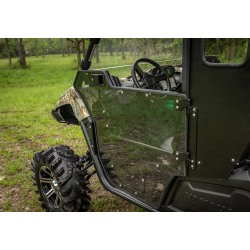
[(65, 114), (223, 126), (208, 195)]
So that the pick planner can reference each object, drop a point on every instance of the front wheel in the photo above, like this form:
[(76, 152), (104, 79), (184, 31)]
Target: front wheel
[(61, 182)]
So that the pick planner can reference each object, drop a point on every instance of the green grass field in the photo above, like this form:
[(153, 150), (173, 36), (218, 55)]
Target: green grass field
[(26, 125)]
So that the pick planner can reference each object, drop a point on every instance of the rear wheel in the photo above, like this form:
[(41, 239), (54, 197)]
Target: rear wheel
[(61, 183)]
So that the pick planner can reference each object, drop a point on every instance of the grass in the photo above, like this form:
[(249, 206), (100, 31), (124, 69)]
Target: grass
[(7, 204), (26, 125)]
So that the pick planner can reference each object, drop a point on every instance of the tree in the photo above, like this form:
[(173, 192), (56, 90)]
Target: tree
[(135, 45), (228, 50), (143, 42), (22, 52), (173, 45), (62, 47), (55, 46), (76, 44), (154, 42), (83, 47), (49, 43), (110, 42), (18, 48), (123, 54), (44, 45), (117, 43), (35, 44), (8, 49), (217, 45), (71, 47), (68, 46)]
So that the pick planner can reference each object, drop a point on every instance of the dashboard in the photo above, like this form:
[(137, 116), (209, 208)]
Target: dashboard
[(174, 75)]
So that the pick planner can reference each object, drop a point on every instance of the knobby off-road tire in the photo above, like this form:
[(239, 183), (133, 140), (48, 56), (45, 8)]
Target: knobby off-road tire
[(60, 180)]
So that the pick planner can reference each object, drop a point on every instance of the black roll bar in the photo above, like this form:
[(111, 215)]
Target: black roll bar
[(86, 61)]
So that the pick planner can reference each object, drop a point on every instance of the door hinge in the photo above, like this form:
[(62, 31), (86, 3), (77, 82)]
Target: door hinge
[(192, 111), (181, 156), (180, 104), (185, 156)]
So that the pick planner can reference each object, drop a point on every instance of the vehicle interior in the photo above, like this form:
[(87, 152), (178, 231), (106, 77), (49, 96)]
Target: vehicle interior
[(143, 63), (159, 77)]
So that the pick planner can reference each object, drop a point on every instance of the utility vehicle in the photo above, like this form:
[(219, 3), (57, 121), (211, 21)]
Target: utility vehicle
[(165, 138)]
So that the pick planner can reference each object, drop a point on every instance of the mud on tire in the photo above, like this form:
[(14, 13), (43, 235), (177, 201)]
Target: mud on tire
[(61, 182)]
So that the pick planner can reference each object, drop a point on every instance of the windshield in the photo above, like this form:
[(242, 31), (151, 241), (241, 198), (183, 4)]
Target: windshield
[(118, 54)]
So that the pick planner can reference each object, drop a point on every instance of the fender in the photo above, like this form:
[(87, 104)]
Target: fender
[(78, 110)]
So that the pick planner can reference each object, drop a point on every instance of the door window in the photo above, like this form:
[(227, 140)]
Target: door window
[(226, 50), (118, 54)]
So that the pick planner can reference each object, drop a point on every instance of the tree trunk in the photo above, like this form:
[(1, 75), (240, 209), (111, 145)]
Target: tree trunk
[(42, 47), (135, 49), (83, 48), (71, 48), (22, 53), (18, 49), (8, 49), (117, 53), (105, 50), (97, 54), (78, 52), (111, 49), (36, 48), (123, 55), (68, 47), (162, 48), (62, 47), (131, 50), (144, 47)]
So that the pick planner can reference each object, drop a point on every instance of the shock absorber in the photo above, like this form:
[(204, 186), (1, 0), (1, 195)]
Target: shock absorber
[(89, 162)]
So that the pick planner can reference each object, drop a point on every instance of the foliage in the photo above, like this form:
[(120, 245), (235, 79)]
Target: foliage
[(35, 46), (3, 49), (228, 50)]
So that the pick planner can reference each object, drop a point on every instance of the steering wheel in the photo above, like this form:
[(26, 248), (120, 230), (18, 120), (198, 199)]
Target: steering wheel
[(151, 81)]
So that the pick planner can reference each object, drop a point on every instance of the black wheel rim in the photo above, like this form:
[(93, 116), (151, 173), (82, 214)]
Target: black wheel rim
[(49, 187)]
